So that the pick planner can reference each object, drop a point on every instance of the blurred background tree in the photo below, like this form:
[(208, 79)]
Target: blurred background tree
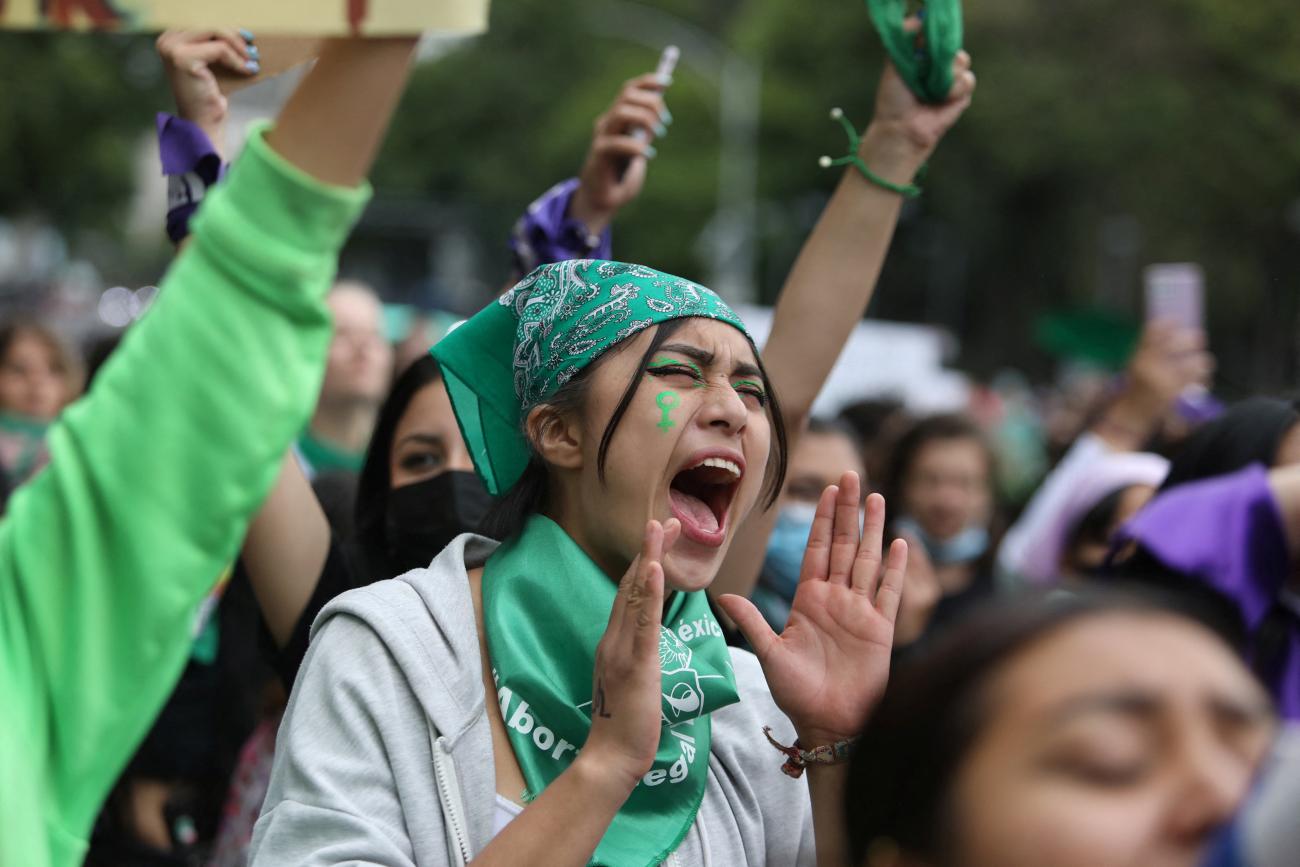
[(72, 109), (1104, 136)]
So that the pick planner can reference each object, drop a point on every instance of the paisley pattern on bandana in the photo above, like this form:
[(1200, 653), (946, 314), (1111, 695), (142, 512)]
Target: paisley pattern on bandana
[(569, 313)]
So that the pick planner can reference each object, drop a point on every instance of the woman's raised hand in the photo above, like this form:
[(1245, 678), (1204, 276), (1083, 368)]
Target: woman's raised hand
[(627, 695), (905, 131), (621, 145), (188, 58), (830, 665)]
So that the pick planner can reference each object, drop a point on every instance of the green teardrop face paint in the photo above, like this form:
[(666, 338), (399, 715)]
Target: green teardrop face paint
[(667, 401)]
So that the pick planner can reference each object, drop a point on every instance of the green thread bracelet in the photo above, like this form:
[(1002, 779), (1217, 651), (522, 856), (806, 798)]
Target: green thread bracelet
[(910, 191)]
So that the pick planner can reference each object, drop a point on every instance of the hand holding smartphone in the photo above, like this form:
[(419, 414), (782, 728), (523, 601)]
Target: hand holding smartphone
[(664, 72), (1176, 293)]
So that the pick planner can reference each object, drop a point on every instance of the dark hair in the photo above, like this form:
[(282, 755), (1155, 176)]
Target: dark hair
[(945, 426), (529, 494), (97, 352), (935, 708), (820, 426), (370, 512), (870, 418), (1095, 525), (1249, 432)]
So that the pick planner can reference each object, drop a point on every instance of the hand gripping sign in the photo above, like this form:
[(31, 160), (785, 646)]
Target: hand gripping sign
[(298, 17)]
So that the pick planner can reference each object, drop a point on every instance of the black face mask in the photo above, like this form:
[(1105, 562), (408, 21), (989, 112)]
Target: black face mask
[(425, 516)]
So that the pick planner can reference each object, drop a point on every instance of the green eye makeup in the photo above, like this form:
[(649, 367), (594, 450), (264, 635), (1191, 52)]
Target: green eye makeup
[(664, 366), (751, 387)]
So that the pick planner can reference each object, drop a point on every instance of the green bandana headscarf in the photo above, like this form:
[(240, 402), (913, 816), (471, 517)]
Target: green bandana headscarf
[(929, 75), (545, 608), (514, 354)]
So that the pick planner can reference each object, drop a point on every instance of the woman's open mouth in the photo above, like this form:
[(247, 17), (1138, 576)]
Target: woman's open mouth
[(700, 494)]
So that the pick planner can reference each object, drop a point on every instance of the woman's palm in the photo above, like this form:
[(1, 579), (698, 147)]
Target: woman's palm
[(829, 666)]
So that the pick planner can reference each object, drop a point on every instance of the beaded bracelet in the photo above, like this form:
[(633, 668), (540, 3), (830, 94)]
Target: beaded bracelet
[(911, 191), (797, 758)]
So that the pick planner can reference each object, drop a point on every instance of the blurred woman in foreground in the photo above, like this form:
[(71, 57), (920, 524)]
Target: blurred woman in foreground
[(1094, 730)]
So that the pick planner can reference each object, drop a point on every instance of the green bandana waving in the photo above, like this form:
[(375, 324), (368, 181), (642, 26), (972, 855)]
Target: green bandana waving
[(928, 70), (546, 604)]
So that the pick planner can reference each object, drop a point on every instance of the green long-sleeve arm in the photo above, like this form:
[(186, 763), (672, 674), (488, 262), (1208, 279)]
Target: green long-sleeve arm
[(105, 556)]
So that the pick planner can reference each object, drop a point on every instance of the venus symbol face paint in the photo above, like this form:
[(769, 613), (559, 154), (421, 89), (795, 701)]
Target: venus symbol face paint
[(667, 401)]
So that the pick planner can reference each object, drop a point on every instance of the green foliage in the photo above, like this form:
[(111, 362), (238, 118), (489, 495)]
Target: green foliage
[(493, 124), (72, 110), (1179, 117)]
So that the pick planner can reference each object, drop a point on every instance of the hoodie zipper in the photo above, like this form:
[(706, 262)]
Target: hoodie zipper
[(444, 771)]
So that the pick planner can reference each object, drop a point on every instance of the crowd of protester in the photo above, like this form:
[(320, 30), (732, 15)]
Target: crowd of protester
[(648, 607)]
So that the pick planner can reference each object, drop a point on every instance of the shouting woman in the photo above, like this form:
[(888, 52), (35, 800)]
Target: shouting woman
[(572, 676), (649, 431)]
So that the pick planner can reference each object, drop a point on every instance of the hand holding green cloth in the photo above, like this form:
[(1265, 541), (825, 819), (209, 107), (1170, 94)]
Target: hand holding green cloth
[(928, 72), (545, 608), (518, 351)]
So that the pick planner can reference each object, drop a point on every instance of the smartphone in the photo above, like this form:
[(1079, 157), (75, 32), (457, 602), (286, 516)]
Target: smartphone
[(1176, 293), (667, 64)]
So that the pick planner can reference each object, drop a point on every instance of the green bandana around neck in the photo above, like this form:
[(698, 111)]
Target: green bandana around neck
[(12, 422), (22, 445), (518, 351), (545, 607), (929, 75)]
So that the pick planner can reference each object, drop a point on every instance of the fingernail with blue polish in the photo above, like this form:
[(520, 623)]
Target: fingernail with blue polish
[(254, 53), (665, 116), (660, 130), (650, 152), (248, 35), (664, 80), (253, 66)]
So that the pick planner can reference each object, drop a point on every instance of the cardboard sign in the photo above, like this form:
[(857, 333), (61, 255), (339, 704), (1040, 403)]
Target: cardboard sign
[(297, 17)]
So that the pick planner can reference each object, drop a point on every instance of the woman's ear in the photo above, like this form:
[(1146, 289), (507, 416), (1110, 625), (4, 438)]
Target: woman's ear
[(556, 436)]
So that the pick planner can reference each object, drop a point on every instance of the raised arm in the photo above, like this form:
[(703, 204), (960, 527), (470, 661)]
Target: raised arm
[(572, 219), (288, 540), (1167, 360), (835, 275), (153, 476)]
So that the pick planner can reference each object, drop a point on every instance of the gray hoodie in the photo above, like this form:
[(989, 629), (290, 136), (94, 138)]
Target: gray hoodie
[(385, 756)]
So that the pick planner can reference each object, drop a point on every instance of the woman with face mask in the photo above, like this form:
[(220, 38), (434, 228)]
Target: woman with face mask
[(824, 453), (630, 425), (417, 489), (941, 484), (106, 555)]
